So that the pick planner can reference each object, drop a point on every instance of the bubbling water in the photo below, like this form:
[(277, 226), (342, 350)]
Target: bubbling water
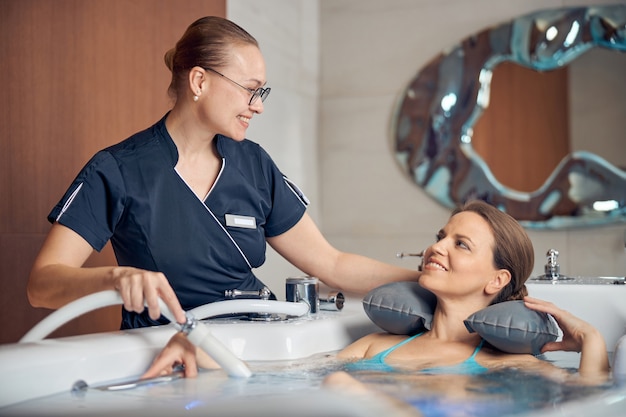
[(495, 393), (297, 387)]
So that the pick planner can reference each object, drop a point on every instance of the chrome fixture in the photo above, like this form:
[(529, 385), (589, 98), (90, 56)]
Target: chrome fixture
[(263, 294), (552, 270), (401, 255), (334, 301), (80, 387), (304, 289)]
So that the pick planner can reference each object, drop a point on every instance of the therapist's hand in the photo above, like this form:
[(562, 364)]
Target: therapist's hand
[(180, 351), (139, 288)]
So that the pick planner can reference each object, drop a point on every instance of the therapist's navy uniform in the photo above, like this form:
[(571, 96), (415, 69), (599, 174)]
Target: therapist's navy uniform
[(131, 194)]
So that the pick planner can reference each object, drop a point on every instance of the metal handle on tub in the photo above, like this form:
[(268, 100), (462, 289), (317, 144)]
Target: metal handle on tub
[(334, 301), (264, 293), (401, 255)]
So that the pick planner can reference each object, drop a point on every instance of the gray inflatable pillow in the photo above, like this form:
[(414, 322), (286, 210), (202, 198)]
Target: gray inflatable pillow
[(407, 308), (400, 307), (512, 327)]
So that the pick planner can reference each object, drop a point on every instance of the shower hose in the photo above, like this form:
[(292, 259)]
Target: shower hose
[(197, 332)]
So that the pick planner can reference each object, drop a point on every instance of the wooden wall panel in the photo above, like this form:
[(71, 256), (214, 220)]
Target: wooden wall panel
[(524, 133), (78, 76)]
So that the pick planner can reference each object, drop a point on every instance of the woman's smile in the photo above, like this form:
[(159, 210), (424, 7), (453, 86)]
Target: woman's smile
[(433, 264)]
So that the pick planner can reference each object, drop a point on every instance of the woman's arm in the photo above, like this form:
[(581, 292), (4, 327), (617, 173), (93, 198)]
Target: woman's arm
[(58, 277), (306, 248), (578, 336)]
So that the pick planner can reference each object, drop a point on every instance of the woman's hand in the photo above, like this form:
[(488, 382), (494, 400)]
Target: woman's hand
[(58, 277), (180, 351), (578, 336), (574, 329), (139, 288)]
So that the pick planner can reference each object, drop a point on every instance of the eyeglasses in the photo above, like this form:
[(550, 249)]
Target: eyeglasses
[(259, 92)]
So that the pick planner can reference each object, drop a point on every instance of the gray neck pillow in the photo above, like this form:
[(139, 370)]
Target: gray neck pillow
[(407, 308)]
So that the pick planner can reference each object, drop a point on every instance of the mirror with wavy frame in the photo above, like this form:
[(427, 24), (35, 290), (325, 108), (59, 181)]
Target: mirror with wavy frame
[(433, 124)]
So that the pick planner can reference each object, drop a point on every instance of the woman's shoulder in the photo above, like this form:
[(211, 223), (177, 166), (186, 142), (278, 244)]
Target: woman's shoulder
[(371, 344), (136, 141)]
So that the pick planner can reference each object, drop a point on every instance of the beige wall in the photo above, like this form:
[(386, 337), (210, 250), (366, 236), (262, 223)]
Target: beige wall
[(598, 101), (369, 52), (288, 34)]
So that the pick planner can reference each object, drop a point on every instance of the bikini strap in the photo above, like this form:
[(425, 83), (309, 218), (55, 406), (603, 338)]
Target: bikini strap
[(391, 349), (480, 345)]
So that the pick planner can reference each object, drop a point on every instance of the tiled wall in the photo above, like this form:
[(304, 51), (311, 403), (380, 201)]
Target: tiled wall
[(288, 34), (339, 67)]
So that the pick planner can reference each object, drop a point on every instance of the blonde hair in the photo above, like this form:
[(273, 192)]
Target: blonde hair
[(205, 44)]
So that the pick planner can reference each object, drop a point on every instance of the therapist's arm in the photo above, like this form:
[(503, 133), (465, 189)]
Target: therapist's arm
[(58, 277), (306, 248)]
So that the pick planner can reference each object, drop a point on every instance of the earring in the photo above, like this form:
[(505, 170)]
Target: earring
[(196, 98)]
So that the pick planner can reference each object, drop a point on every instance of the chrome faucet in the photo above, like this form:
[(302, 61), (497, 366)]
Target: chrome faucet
[(303, 289), (552, 269)]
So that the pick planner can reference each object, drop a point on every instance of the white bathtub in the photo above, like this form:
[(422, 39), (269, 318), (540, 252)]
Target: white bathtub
[(53, 366), (40, 375)]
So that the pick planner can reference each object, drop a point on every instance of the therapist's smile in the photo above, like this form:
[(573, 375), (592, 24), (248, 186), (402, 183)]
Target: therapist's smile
[(245, 120)]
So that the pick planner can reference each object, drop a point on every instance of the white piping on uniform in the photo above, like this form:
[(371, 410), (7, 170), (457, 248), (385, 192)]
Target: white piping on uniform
[(213, 215), (69, 201), (297, 191)]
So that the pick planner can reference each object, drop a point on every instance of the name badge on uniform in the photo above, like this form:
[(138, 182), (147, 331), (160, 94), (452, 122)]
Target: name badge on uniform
[(246, 222)]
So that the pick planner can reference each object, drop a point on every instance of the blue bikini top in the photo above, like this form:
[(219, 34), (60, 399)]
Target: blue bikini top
[(377, 362)]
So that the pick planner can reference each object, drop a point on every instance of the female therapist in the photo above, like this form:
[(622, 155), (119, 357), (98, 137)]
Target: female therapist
[(189, 204)]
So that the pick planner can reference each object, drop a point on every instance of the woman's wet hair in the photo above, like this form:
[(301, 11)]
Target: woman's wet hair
[(513, 249), (206, 43)]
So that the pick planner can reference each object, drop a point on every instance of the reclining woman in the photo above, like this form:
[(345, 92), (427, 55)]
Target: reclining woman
[(482, 256)]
